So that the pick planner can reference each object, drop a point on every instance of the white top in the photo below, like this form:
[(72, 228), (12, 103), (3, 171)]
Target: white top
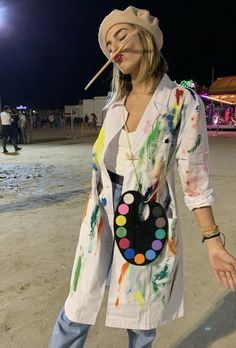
[(117, 163), (5, 118)]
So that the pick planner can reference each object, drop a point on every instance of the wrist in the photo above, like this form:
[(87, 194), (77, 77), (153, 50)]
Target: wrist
[(214, 243)]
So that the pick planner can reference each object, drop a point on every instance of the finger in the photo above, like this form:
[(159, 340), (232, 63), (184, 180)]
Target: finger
[(217, 276), (230, 280), (233, 275), (223, 279)]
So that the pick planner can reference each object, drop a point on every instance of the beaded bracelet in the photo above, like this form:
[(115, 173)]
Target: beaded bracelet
[(210, 228), (214, 236), (209, 234)]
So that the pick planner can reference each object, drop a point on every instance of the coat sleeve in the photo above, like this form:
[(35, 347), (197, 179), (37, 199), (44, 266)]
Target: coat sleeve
[(193, 154)]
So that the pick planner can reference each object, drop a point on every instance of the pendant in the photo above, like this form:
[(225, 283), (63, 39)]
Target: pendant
[(131, 157)]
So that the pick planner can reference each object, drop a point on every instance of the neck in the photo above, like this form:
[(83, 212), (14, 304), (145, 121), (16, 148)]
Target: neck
[(144, 88)]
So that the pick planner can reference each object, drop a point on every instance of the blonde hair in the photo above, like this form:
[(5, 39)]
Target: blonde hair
[(153, 65)]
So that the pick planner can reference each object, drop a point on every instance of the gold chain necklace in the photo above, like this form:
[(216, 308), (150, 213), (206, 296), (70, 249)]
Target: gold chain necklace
[(132, 157)]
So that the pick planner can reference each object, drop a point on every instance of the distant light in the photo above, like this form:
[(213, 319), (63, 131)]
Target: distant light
[(21, 107), (218, 100), (3, 12)]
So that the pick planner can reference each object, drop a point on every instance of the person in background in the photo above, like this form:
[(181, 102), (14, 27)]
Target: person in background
[(86, 118), (62, 121), (227, 115), (22, 127), (7, 130), (34, 120), (90, 121), (6, 126), (51, 120), (151, 124), (94, 120), (15, 130), (56, 120)]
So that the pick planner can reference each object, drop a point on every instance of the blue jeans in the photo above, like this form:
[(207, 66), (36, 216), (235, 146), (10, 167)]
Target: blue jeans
[(68, 334)]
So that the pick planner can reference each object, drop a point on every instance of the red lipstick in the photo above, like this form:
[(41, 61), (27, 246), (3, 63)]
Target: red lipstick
[(118, 58)]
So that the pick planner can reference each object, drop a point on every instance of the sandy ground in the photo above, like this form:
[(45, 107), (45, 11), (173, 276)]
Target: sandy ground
[(42, 193)]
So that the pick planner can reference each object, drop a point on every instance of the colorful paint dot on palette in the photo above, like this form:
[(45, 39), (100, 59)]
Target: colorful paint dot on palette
[(160, 222), (150, 255), (121, 232), (124, 243), (157, 245), (160, 233), (139, 259), (156, 211), (120, 220), (140, 239), (123, 209), (129, 254), (128, 198)]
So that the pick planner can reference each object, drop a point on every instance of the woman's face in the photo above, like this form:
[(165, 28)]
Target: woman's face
[(129, 59)]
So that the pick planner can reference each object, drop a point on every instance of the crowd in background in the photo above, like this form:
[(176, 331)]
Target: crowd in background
[(23, 121), (16, 125)]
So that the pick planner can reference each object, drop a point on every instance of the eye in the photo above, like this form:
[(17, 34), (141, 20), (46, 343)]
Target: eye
[(123, 37), (109, 49)]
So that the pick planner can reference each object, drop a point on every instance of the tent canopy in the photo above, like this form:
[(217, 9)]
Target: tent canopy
[(224, 88)]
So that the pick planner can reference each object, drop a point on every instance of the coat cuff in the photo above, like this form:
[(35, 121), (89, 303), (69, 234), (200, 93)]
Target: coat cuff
[(204, 200)]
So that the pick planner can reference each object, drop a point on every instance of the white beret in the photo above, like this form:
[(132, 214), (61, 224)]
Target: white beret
[(130, 15)]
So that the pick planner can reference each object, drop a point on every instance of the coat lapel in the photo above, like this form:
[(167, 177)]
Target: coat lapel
[(157, 106), (117, 122)]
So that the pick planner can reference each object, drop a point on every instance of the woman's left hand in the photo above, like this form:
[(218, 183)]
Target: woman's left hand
[(222, 263)]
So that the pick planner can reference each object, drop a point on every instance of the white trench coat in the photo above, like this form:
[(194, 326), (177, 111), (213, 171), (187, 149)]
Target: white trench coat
[(141, 297)]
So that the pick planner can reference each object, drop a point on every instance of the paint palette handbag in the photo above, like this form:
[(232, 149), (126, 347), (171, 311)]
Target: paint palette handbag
[(141, 228)]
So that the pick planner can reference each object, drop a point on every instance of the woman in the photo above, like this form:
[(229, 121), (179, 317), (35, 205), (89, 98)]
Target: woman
[(149, 121)]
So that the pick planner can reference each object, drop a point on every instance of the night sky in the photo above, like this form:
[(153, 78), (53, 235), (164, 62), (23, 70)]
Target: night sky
[(49, 49)]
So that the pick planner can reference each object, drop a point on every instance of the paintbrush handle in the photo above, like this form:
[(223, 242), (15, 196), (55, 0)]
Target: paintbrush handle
[(98, 73), (111, 58)]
